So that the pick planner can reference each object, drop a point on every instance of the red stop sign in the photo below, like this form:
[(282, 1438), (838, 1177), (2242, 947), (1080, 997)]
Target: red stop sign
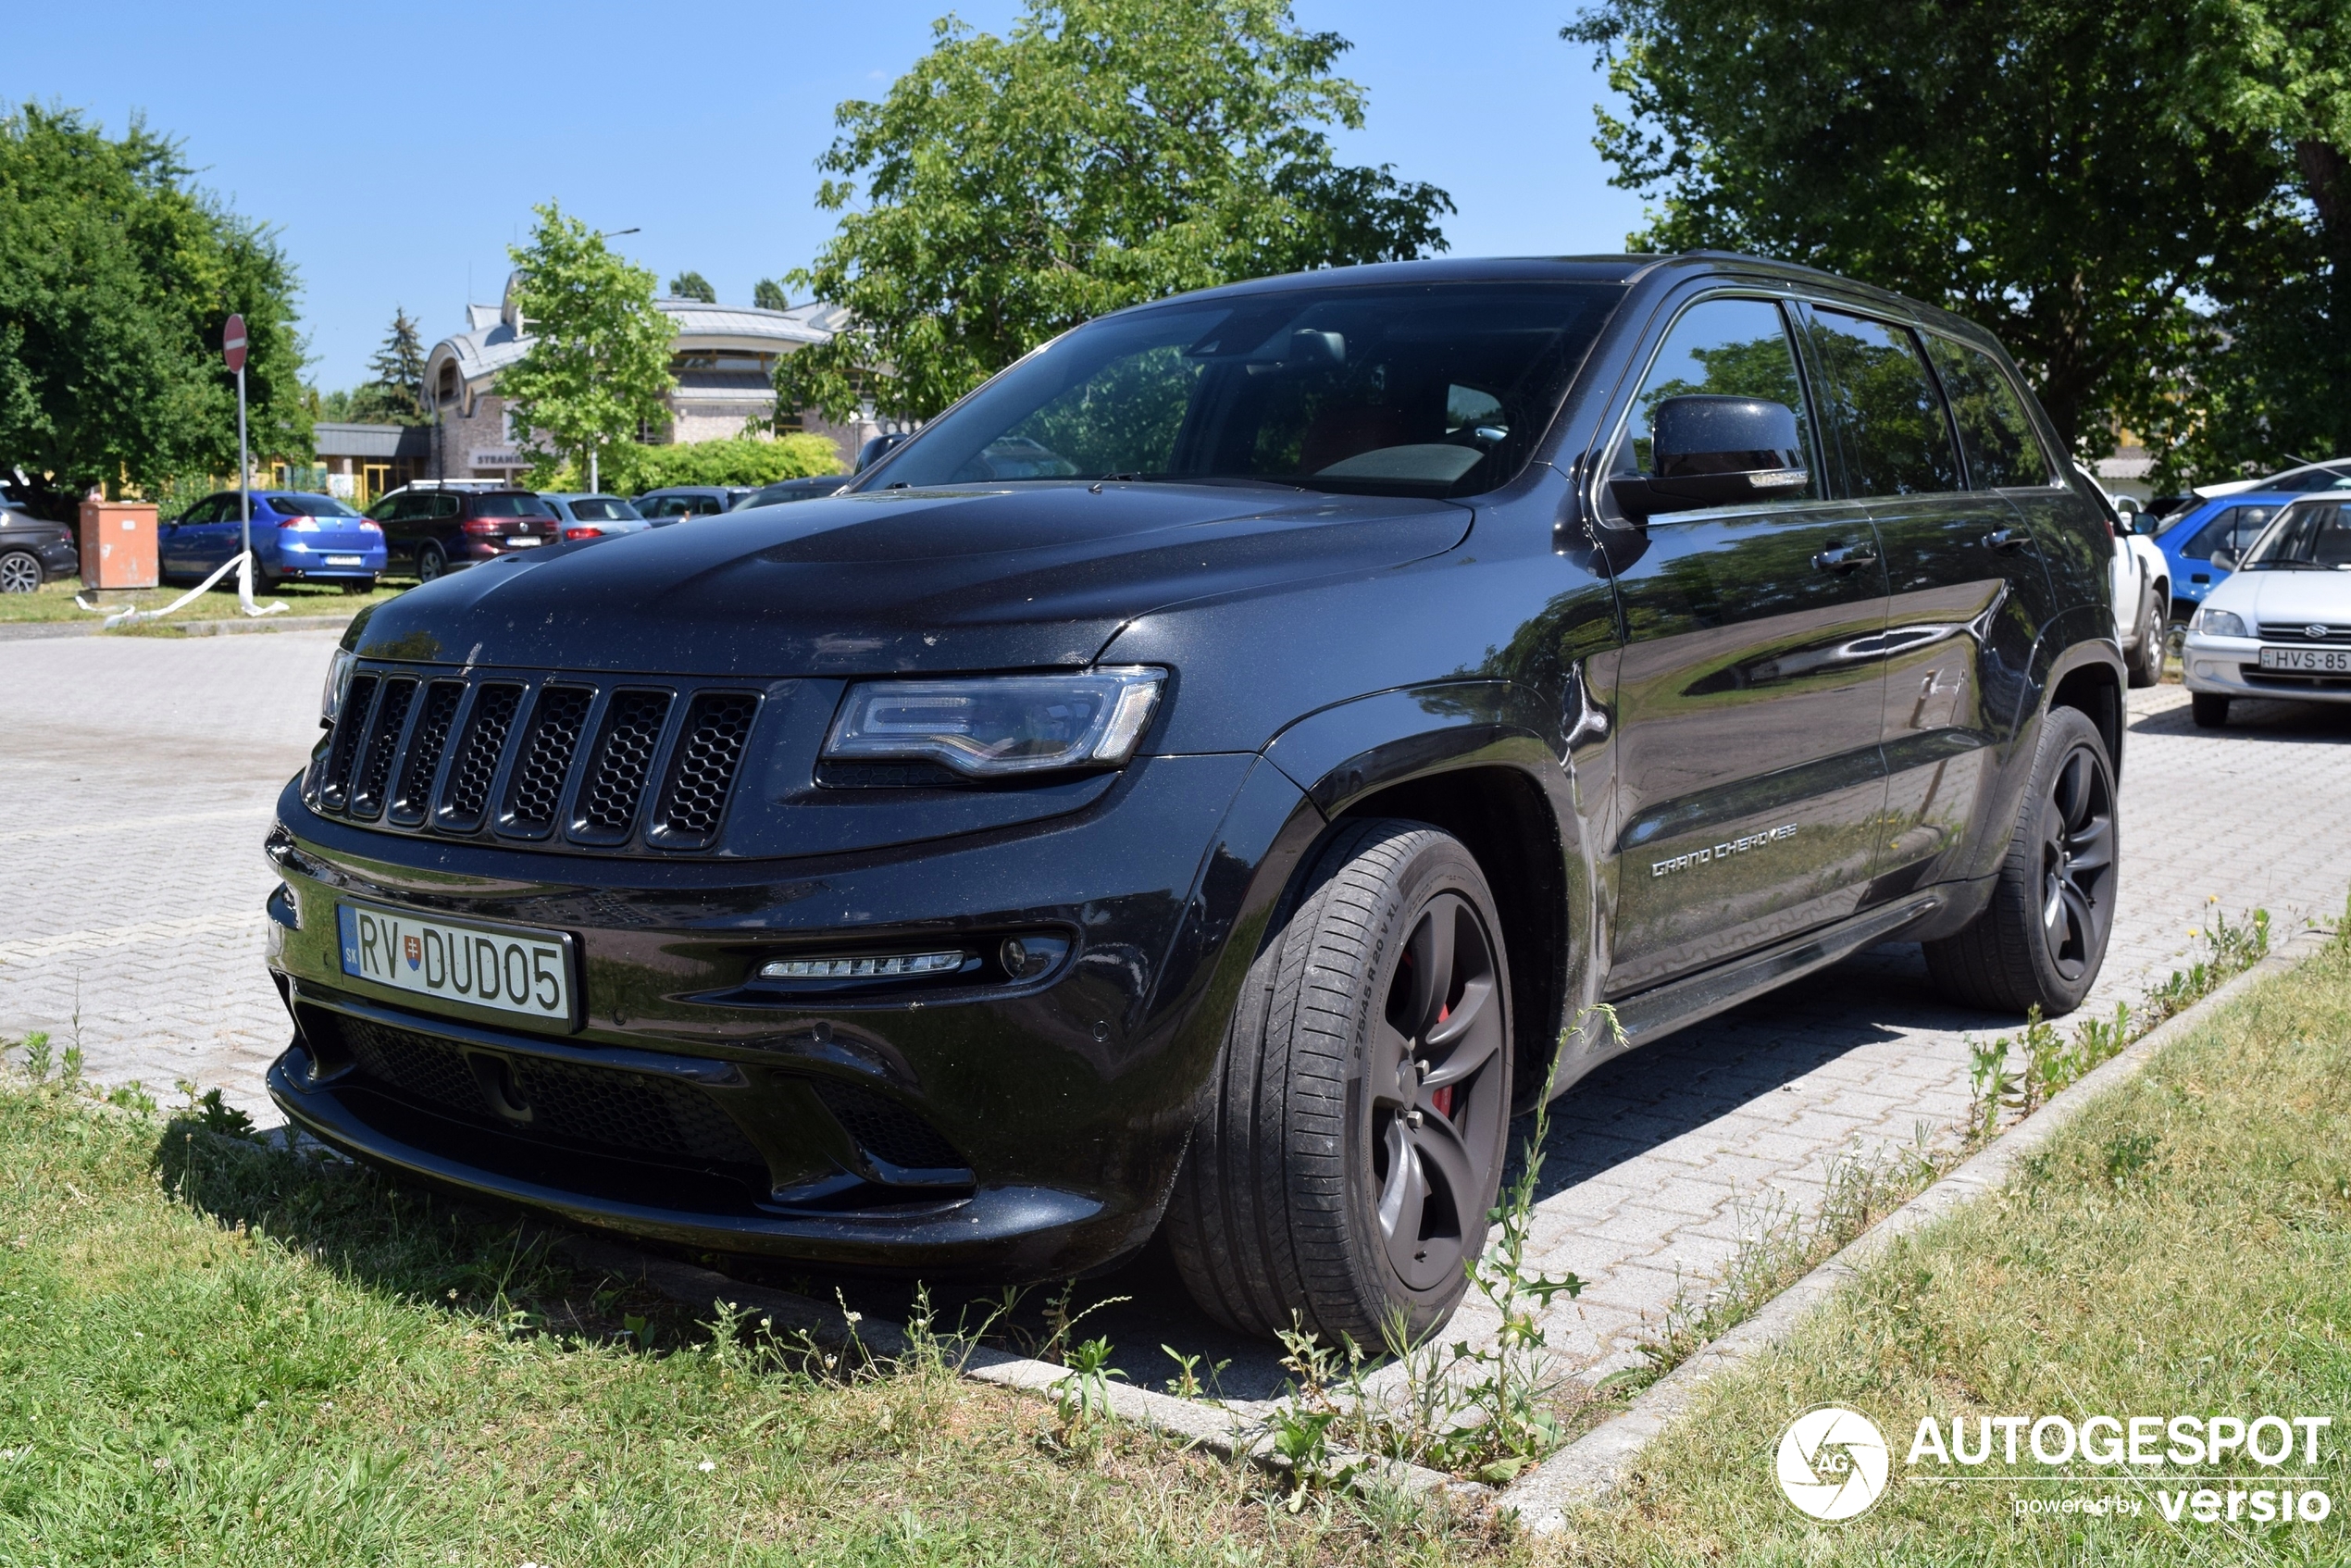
[(232, 343)]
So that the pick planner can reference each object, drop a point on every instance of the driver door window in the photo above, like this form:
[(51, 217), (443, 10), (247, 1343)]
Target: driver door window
[(1750, 691)]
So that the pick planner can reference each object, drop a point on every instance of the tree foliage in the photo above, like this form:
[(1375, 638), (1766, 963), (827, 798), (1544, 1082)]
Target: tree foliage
[(769, 294), (692, 286), (116, 275), (394, 393), (598, 365), (2051, 169), (631, 469), (1104, 152)]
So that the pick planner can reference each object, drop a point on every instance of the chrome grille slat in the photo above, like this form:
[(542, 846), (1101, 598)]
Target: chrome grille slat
[(2299, 631)]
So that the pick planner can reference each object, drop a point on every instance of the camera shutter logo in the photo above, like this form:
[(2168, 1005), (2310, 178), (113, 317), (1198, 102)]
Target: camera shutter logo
[(1832, 1463)]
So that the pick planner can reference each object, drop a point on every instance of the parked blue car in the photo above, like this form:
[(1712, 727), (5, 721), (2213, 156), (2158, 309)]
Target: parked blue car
[(296, 538), (2228, 524)]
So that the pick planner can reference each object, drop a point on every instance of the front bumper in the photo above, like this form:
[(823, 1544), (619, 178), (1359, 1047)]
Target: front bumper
[(989, 1126), (2230, 666)]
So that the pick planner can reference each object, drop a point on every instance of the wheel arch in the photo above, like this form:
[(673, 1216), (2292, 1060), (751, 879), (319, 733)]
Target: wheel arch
[(1472, 759)]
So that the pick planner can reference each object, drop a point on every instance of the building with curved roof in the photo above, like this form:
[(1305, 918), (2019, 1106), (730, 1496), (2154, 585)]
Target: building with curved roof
[(724, 357)]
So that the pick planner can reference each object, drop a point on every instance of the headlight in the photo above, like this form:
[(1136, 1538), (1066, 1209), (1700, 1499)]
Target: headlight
[(2219, 623), (999, 725), (338, 682)]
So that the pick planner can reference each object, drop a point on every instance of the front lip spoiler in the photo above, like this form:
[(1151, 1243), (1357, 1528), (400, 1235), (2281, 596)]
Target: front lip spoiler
[(999, 1231)]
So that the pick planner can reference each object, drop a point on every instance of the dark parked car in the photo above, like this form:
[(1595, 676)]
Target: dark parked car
[(1206, 779), (434, 531), (662, 506), (296, 536), (784, 491), (32, 550)]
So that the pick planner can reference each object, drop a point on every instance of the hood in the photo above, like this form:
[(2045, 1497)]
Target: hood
[(950, 580), (2291, 598)]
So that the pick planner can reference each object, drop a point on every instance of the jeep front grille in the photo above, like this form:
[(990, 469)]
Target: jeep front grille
[(522, 758)]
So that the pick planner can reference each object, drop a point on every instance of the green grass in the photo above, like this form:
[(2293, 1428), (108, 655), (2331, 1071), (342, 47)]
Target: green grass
[(53, 602), (217, 1353), (2183, 1246)]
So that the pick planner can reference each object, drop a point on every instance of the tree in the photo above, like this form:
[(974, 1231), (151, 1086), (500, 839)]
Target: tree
[(116, 275), (769, 294), (692, 286), (1104, 152), (395, 394), (598, 362), (2039, 166)]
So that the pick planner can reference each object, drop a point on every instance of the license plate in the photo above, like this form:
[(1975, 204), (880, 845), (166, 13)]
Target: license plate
[(506, 968), (343, 560), (523, 541), (2314, 661)]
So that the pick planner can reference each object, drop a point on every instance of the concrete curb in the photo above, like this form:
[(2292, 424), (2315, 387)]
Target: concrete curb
[(11, 631), (1236, 1431), (1588, 1469)]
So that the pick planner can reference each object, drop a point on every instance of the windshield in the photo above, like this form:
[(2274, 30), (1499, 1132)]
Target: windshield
[(310, 506), (2311, 536), (602, 508), (508, 506), (1434, 390)]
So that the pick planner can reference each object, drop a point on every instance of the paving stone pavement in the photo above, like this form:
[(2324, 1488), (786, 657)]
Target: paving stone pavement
[(139, 777)]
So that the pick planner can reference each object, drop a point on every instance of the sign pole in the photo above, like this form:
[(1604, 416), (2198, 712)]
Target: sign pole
[(244, 465), (232, 354)]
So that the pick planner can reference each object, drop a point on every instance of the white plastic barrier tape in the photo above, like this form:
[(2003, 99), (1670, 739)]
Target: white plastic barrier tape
[(241, 563)]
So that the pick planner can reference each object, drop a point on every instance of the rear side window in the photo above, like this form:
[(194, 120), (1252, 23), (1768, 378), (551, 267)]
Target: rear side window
[(1884, 407), (2233, 529), (302, 506), (598, 509), (444, 506), (1727, 347), (1995, 431), (510, 506)]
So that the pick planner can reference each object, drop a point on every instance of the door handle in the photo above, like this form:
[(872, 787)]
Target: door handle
[(1844, 558), (2007, 540)]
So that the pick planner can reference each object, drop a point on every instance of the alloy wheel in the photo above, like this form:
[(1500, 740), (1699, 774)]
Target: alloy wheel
[(1436, 1091), (19, 572), (2077, 863)]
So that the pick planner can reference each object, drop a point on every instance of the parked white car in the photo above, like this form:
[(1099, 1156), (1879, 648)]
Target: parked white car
[(2280, 624), (2142, 589)]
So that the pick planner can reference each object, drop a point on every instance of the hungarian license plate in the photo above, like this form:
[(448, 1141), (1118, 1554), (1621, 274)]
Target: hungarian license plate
[(2310, 661), (343, 560), (509, 969), (523, 541)]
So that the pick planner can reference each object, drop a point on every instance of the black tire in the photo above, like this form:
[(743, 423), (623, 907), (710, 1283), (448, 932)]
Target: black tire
[(2210, 709), (430, 563), (1347, 1099), (2145, 663), (2042, 937), (20, 572)]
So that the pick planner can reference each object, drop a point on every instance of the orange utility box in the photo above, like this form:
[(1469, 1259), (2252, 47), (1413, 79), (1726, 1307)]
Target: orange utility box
[(118, 544)]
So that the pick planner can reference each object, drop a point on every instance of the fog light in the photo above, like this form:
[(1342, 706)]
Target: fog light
[(2207, 670), (897, 966)]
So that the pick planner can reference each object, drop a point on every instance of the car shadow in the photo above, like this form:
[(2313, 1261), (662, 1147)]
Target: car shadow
[(2256, 718)]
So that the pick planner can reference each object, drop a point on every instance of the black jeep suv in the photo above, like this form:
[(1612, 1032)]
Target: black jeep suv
[(1207, 777)]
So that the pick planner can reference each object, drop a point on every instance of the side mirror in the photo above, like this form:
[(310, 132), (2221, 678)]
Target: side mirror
[(1714, 450), (2225, 558), (876, 449), (2145, 522)]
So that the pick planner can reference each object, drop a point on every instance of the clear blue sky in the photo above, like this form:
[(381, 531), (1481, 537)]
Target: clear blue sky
[(398, 149)]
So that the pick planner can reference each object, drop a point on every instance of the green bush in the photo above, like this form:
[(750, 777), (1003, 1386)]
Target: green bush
[(630, 469)]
